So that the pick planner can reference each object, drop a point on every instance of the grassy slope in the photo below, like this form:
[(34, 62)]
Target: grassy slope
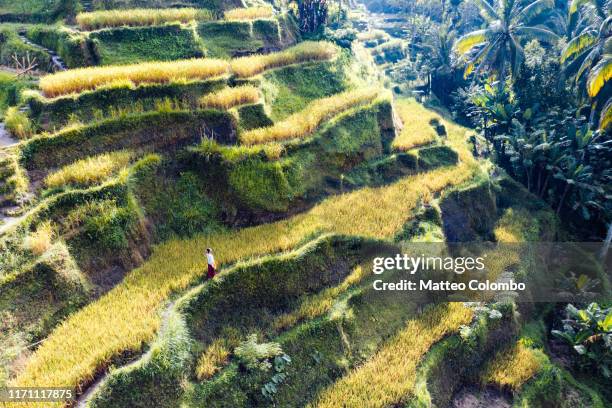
[(132, 45), (416, 130), (128, 315)]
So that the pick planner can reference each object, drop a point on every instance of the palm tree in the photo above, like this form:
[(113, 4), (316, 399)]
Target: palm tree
[(589, 53), (499, 44)]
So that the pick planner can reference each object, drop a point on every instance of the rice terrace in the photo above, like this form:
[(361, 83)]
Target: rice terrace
[(305, 203)]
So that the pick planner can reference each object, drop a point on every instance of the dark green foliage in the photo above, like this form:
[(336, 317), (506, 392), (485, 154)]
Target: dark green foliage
[(175, 207), (107, 230), (228, 38), (75, 49), (10, 88), (437, 156), (11, 45), (469, 214), (128, 45), (589, 332), (54, 113), (148, 131), (253, 116)]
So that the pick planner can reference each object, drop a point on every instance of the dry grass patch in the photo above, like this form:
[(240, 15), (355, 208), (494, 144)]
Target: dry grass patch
[(416, 131), (307, 51), (127, 317), (83, 79), (211, 360), (140, 17), (227, 98), (39, 241), (88, 171), (512, 367), (250, 13), (306, 122), (388, 378)]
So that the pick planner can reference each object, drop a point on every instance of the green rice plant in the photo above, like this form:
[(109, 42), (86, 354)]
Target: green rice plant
[(249, 13), (306, 122), (307, 51), (230, 97), (89, 171), (18, 123), (140, 17)]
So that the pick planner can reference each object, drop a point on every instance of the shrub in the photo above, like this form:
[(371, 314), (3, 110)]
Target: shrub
[(255, 356), (306, 122), (40, 240), (306, 51), (140, 17), (18, 123), (82, 79), (211, 360), (229, 97), (88, 171), (250, 13), (589, 332)]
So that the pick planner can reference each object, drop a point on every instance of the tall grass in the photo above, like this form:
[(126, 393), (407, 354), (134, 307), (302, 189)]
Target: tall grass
[(83, 79), (249, 13), (140, 17), (88, 171), (306, 122), (18, 123), (306, 51), (389, 376), (227, 98), (128, 316), (416, 129)]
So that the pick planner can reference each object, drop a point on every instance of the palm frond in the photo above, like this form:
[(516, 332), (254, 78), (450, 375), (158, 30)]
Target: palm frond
[(541, 34), (469, 41), (587, 63), (605, 120), (599, 75), (486, 10), (534, 9), (576, 5), (578, 45)]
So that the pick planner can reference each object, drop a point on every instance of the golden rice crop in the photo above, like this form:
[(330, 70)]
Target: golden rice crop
[(82, 79), (128, 315), (389, 376), (513, 367), (306, 122), (249, 13), (139, 17), (88, 171), (227, 98), (307, 51), (416, 130)]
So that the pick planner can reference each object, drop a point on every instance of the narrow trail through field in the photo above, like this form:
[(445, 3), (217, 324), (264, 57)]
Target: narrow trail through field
[(83, 400)]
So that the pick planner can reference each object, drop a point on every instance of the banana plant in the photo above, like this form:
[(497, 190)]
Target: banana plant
[(589, 332)]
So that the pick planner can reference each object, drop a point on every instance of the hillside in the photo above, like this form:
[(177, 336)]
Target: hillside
[(301, 142)]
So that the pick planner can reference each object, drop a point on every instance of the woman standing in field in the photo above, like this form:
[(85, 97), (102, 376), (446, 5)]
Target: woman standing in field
[(212, 267)]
